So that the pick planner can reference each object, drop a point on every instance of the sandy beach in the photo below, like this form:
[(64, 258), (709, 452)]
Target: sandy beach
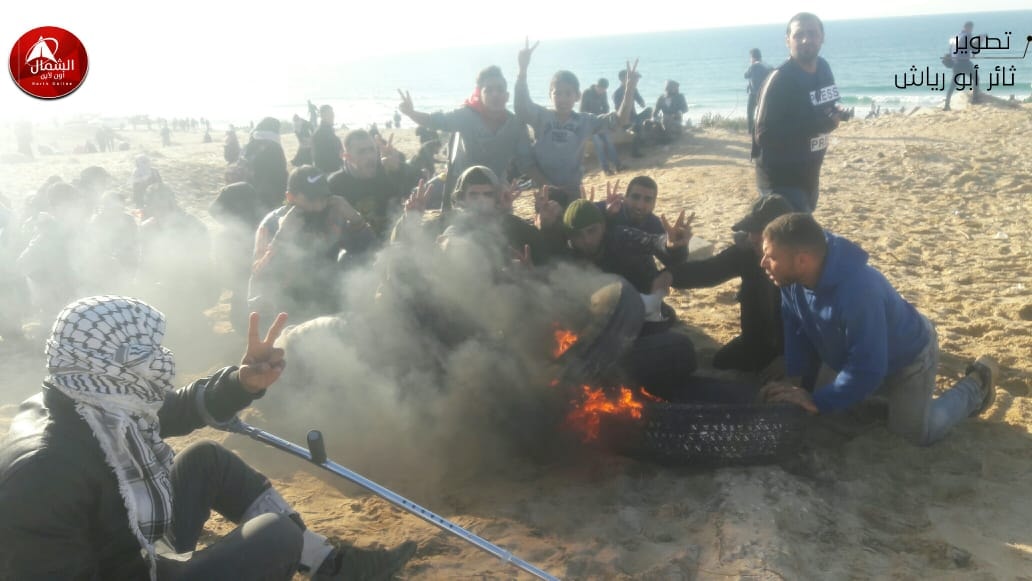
[(940, 200)]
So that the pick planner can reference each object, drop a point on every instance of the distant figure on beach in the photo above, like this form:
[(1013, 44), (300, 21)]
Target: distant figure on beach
[(303, 131), (327, 150), (755, 74), (596, 101), (207, 136), (560, 133), (313, 113), (397, 120), (488, 133), (839, 311), (962, 67), (669, 112), (166, 136), (231, 149), (798, 107), (637, 119)]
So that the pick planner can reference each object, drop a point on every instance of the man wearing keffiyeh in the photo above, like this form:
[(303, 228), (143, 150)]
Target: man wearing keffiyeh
[(90, 490)]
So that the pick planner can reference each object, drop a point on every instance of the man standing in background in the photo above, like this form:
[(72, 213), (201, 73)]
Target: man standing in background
[(960, 50), (755, 74), (798, 107), (327, 149)]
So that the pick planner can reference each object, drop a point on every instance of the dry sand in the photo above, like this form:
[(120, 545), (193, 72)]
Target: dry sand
[(942, 203)]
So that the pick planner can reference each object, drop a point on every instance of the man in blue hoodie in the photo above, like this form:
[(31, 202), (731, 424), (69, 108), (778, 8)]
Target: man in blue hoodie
[(840, 311)]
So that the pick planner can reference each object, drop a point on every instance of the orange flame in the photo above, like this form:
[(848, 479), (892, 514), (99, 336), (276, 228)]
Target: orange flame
[(649, 396), (587, 415), (563, 341)]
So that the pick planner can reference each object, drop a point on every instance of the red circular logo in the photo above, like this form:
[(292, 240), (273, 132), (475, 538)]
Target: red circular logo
[(48, 62)]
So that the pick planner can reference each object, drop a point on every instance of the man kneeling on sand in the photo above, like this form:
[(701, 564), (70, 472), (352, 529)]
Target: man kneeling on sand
[(89, 489), (840, 311)]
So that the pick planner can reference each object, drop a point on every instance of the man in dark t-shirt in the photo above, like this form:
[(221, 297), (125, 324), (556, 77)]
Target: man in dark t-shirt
[(798, 108), (374, 180)]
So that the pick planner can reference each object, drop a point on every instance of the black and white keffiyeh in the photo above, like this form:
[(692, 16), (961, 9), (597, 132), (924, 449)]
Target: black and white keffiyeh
[(105, 354)]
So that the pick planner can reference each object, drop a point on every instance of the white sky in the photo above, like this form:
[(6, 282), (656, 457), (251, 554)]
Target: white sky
[(193, 45)]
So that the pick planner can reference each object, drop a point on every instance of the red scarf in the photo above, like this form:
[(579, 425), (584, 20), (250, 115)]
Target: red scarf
[(491, 118)]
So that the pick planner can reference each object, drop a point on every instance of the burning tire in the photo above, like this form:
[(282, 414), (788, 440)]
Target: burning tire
[(707, 434)]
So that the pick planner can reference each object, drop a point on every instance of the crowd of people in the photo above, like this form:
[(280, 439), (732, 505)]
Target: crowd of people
[(808, 297)]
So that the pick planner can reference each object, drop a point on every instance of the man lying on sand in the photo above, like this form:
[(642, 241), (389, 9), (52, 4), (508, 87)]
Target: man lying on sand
[(840, 311), (89, 489)]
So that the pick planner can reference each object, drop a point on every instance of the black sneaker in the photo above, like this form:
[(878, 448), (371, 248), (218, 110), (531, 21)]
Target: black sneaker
[(355, 564), (987, 369)]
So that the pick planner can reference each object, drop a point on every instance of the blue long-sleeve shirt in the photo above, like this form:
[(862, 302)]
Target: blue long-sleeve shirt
[(855, 322)]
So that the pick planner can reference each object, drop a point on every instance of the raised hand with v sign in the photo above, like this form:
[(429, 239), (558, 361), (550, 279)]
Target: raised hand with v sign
[(680, 232), (262, 363)]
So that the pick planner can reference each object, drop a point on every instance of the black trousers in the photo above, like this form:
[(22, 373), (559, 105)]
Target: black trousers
[(208, 477), (661, 361)]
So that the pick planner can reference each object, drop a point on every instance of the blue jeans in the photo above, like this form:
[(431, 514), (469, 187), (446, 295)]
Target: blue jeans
[(605, 149), (914, 412)]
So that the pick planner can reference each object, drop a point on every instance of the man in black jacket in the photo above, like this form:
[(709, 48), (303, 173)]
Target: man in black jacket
[(90, 490), (327, 149), (761, 338), (798, 107)]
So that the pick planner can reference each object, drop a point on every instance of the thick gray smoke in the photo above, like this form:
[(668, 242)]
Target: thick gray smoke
[(441, 364)]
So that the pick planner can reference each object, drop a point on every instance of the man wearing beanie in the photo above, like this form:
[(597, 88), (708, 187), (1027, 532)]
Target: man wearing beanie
[(620, 250), (660, 357), (760, 340), (301, 248)]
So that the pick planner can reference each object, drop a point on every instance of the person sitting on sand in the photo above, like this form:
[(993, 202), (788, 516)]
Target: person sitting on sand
[(638, 118), (479, 205), (113, 242), (760, 341), (670, 109), (52, 260), (374, 180), (635, 209), (560, 134), (596, 101), (238, 212), (301, 248), (661, 357), (89, 488), (175, 257), (839, 311), (489, 134), (231, 148), (93, 182), (143, 177), (263, 164)]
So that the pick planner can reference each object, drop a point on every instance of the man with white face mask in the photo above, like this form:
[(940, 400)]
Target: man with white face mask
[(90, 490)]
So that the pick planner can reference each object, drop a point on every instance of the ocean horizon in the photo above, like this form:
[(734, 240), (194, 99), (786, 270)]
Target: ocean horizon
[(865, 57)]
